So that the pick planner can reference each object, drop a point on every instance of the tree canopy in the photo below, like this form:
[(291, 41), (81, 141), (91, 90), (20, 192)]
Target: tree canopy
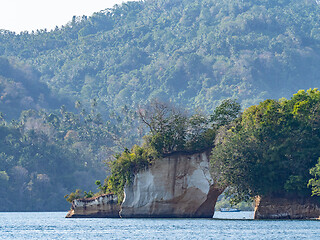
[(271, 148)]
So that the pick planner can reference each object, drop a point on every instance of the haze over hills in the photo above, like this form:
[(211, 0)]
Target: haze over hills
[(192, 53), (20, 89)]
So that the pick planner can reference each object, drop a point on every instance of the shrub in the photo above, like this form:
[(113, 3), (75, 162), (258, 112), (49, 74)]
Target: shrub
[(125, 165), (74, 195)]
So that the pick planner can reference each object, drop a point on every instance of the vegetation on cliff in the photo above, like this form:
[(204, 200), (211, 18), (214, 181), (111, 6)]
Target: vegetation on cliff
[(174, 130), (125, 166), (170, 130), (270, 150)]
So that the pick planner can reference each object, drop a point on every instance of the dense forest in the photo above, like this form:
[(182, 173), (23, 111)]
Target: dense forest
[(71, 97), (190, 52), (44, 156), (21, 89)]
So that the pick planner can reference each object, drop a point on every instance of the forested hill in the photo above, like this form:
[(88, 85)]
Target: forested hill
[(21, 89), (192, 52)]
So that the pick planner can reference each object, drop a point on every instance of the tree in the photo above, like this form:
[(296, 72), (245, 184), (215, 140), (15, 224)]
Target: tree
[(167, 126), (226, 112), (199, 134), (271, 148), (314, 182), (74, 195)]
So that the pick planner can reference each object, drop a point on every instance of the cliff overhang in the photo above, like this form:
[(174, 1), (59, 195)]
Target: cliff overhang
[(178, 185)]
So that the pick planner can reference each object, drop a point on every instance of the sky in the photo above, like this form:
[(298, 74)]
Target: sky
[(28, 15)]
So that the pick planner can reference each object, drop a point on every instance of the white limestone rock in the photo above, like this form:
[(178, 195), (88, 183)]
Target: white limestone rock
[(179, 185), (105, 206)]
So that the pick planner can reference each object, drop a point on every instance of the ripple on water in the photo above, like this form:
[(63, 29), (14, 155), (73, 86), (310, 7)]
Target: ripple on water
[(55, 226)]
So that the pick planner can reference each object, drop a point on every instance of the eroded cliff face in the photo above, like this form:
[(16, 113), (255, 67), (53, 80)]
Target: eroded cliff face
[(179, 185), (286, 208), (105, 206)]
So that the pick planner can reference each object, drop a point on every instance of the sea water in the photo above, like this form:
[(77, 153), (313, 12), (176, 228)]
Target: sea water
[(54, 225)]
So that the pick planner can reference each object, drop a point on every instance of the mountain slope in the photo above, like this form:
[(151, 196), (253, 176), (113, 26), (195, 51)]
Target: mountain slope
[(194, 53), (21, 89)]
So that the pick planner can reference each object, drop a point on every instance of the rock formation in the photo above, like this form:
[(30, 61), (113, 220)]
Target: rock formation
[(286, 208), (105, 206), (179, 185)]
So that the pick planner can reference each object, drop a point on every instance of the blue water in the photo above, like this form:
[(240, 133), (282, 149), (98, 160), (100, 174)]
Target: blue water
[(55, 226)]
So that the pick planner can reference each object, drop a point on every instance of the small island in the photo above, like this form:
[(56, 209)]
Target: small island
[(269, 153), (169, 176)]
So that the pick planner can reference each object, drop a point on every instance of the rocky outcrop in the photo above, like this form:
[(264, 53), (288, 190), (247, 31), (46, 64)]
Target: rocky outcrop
[(105, 206), (179, 185), (286, 208)]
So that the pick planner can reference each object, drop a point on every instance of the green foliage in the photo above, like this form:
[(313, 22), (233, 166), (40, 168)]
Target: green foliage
[(102, 188), (172, 130), (89, 194), (167, 127), (191, 53), (314, 182), (295, 183), (21, 89), (78, 195), (199, 134), (226, 112), (224, 202), (98, 183), (126, 165), (270, 150), (74, 195)]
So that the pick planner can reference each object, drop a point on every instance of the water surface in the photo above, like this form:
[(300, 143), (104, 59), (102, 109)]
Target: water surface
[(55, 226)]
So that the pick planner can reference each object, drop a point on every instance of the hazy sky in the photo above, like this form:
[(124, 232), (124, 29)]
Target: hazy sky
[(21, 15)]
